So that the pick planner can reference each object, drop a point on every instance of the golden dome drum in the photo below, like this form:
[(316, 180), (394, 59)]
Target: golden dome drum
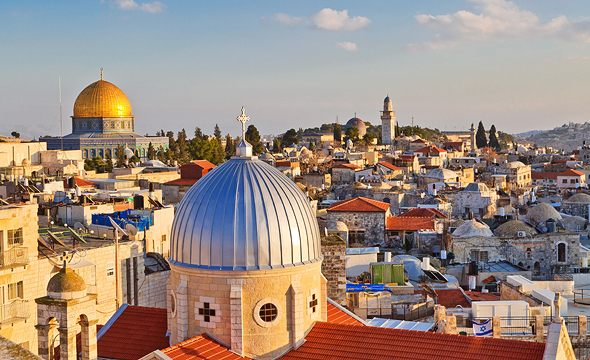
[(102, 99)]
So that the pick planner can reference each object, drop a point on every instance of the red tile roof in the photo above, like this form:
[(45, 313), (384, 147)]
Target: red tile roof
[(418, 141), (571, 172), (408, 223), (407, 157), (337, 316), (346, 166), (180, 182), (80, 182), (449, 298), (430, 150), (453, 143), (335, 341), (389, 166), (204, 164), (136, 332), (359, 204), (543, 175), (479, 296), (424, 212), (200, 347)]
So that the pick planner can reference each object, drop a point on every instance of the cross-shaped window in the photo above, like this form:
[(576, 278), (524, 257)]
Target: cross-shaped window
[(206, 312), (313, 303)]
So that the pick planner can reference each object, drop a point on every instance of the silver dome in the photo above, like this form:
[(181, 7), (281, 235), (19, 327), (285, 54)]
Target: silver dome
[(244, 215)]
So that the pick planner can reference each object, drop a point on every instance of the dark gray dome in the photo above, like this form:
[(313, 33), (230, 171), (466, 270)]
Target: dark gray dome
[(244, 215), (359, 124)]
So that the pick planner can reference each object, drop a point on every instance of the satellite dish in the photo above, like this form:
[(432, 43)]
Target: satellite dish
[(79, 227), (131, 229)]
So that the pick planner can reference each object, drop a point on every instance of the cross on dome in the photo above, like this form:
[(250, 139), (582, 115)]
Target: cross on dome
[(243, 118), (100, 73)]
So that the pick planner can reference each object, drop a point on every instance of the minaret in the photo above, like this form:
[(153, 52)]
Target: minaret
[(387, 122), (472, 137)]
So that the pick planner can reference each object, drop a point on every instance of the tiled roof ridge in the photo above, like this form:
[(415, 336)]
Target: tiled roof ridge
[(340, 206)]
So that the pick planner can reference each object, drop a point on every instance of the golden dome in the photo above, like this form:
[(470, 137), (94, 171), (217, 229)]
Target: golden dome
[(102, 99)]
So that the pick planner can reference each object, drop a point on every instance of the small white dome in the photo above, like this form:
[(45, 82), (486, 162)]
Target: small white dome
[(473, 228)]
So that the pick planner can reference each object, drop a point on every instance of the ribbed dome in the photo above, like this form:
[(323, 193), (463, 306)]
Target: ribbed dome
[(578, 198), (102, 99), (244, 215)]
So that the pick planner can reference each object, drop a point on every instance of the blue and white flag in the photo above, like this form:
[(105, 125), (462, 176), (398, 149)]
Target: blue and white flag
[(482, 329)]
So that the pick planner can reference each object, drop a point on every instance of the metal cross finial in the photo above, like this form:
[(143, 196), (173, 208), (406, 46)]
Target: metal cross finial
[(243, 118), (100, 73)]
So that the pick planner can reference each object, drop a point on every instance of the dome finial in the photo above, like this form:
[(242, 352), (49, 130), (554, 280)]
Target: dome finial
[(243, 148), (100, 73)]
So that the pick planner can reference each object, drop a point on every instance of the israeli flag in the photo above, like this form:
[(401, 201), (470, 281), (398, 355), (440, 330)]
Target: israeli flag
[(482, 329)]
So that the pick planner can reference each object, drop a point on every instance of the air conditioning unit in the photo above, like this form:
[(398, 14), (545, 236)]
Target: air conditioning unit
[(521, 234)]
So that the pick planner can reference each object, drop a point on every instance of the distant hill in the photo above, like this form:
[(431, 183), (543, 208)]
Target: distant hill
[(568, 136), (524, 135)]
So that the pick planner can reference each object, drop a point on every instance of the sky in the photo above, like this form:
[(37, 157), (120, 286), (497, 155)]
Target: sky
[(519, 65)]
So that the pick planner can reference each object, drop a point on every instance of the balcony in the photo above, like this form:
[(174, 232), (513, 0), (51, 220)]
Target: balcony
[(17, 310), (16, 256)]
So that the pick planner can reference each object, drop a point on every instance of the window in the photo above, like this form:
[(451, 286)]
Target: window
[(528, 254), (164, 237), (474, 255), (356, 237), (561, 252), (483, 256), (110, 269), (313, 303), (564, 181), (268, 312), (572, 181), (207, 312), (15, 290), (15, 237)]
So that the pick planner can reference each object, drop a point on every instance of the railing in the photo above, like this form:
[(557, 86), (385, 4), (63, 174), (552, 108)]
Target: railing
[(582, 297), (523, 325), (15, 311), (406, 312), (14, 257)]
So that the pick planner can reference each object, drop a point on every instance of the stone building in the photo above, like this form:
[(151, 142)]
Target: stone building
[(545, 254), (387, 122), (344, 173), (476, 198), (316, 180), (366, 220), (576, 205), (25, 272), (571, 179), (518, 175)]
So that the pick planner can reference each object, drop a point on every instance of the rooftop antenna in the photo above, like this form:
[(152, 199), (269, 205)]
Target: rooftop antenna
[(61, 128), (100, 73)]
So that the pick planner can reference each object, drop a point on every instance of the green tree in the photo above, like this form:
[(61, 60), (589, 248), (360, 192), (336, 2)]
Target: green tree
[(368, 138), (120, 156), (218, 152), (151, 152), (199, 134), (290, 138), (109, 162), (352, 133), (161, 154), (15, 134), (493, 143), (480, 137), (230, 147), (337, 132), (253, 137), (277, 145), (217, 132)]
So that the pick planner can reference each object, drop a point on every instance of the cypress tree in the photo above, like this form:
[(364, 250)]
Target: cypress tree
[(480, 137), (494, 143)]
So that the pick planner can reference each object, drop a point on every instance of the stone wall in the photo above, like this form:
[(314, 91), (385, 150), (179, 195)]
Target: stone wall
[(155, 289), (538, 254), (334, 267), (475, 201), (512, 293), (575, 209), (372, 223)]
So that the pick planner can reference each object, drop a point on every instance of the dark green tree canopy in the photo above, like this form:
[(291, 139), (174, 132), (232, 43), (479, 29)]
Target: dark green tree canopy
[(480, 137), (253, 137), (494, 143)]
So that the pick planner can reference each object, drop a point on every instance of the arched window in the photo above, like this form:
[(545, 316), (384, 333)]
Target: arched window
[(93, 153), (561, 252), (85, 154), (528, 254), (386, 200)]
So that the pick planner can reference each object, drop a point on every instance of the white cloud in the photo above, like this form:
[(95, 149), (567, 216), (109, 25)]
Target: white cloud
[(499, 20), (326, 19), (329, 19), (346, 45), (287, 19), (151, 7)]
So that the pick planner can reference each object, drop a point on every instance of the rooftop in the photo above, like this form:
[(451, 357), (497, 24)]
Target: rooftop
[(335, 341), (359, 204)]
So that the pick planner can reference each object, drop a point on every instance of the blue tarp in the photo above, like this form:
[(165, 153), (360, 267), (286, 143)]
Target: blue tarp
[(366, 287), (123, 218)]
